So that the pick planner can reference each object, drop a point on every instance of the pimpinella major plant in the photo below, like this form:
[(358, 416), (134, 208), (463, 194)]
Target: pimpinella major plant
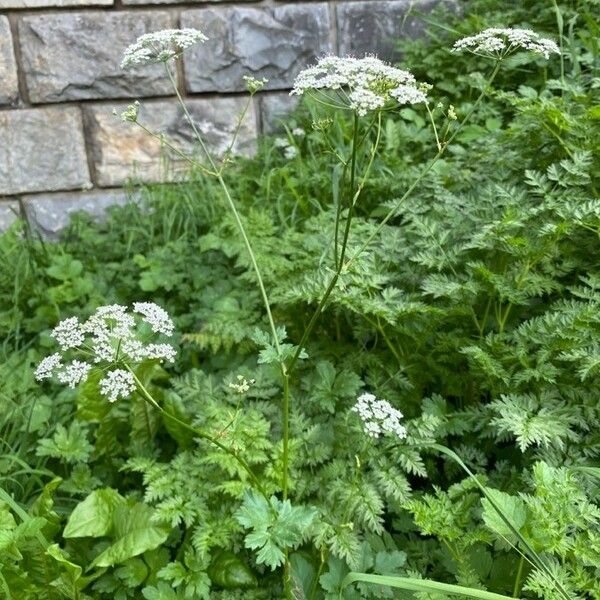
[(471, 310)]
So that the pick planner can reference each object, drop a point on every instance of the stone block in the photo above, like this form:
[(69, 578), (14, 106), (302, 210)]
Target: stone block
[(376, 26), (52, 3), (42, 149), (9, 213), (274, 109), (9, 90), (77, 56), (123, 151), (272, 42), (142, 2), (48, 214)]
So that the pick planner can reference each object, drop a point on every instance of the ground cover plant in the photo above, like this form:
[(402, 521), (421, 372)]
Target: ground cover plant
[(362, 364)]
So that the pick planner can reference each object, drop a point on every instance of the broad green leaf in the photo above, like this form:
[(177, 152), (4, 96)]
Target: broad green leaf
[(229, 571), (133, 533), (514, 510), (93, 517)]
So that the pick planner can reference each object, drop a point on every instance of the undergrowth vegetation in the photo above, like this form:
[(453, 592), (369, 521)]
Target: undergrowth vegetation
[(475, 310)]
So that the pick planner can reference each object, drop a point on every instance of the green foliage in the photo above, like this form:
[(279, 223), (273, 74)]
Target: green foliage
[(475, 311), (276, 526)]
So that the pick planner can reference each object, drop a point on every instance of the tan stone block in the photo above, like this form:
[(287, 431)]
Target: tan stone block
[(123, 151)]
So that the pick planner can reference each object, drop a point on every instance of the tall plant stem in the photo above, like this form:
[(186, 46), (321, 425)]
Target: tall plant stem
[(199, 433), (353, 197), (428, 168), (218, 174)]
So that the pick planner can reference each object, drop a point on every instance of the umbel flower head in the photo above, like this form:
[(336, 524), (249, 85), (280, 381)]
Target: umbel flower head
[(160, 46), (360, 84), (113, 339), (499, 43), (379, 417)]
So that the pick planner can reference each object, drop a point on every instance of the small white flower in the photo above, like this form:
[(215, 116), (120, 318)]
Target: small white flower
[(379, 416), (290, 152), (74, 373), (160, 46), (161, 352), (360, 84), (117, 384), (68, 333), (408, 94), (47, 366), (500, 42), (298, 132), (156, 317), (111, 337)]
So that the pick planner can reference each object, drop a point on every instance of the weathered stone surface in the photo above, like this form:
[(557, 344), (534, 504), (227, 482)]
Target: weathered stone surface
[(52, 3), (9, 213), (141, 2), (274, 108), (42, 149), (121, 151), (50, 213), (77, 56), (9, 90), (275, 43), (375, 26)]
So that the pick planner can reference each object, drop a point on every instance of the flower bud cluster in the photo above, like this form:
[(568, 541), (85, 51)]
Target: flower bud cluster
[(112, 336), (500, 42), (379, 417), (363, 84)]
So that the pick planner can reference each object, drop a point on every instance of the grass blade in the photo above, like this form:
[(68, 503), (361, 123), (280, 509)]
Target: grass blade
[(422, 585)]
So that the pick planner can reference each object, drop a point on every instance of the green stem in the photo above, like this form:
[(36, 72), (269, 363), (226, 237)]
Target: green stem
[(199, 433), (428, 168), (517, 587), (286, 436), (217, 173), (354, 194)]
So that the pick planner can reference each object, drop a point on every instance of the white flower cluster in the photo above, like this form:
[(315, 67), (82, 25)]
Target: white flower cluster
[(498, 43), (111, 336), (160, 46), (378, 416), (117, 384), (289, 149), (362, 84)]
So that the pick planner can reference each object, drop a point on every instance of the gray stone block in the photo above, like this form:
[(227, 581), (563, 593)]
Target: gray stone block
[(77, 56), (123, 151), (275, 43), (48, 214), (376, 26), (274, 108), (9, 91), (142, 2), (52, 3), (9, 213), (41, 150)]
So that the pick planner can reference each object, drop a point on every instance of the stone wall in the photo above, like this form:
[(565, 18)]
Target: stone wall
[(61, 147)]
